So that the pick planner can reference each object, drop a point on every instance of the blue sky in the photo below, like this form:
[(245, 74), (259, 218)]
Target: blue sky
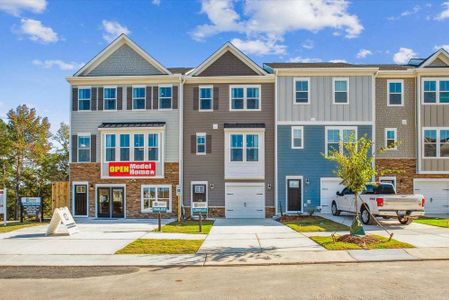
[(43, 41)]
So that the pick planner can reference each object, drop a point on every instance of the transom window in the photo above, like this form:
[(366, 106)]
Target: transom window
[(151, 193), (395, 93), (341, 87), (337, 135), (436, 91), (124, 147), (297, 137), (391, 138), (153, 146), (84, 96), (239, 148), (138, 97), (245, 98), (139, 146), (110, 98), (165, 97), (110, 147), (436, 143), (302, 90), (205, 98), (200, 143), (83, 148)]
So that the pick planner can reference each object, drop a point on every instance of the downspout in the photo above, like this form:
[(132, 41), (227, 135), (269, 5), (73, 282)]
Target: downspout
[(181, 138), (276, 203), (374, 123)]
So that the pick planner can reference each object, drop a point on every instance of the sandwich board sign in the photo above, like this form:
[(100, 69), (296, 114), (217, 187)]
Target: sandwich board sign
[(3, 207), (62, 216)]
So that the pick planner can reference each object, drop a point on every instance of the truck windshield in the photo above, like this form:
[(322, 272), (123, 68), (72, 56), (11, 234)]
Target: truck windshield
[(384, 189)]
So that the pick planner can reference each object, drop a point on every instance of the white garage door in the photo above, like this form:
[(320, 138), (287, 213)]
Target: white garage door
[(329, 187), (436, 194), (245, 200)]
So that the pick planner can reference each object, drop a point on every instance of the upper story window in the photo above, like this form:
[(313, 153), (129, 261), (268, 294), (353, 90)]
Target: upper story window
[(205, 98), (302, 92), (110, 98), (297, 137), (200, 143), (110, 147), (124, 147), (395, 92), (436, 91), (245, 98), (84, 98), (337, 135), (153, 146), (436, 142), (132, 147), (238, 147), (341, 88), (83, 148), (138, 97), (252, 147), (139, 147), (165, 97), (391, 138)]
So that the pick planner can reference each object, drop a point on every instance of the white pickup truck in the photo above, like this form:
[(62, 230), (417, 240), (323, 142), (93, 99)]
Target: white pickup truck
[(382, 201)]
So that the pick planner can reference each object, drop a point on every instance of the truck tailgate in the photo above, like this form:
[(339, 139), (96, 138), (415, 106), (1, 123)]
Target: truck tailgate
[(401, 202)]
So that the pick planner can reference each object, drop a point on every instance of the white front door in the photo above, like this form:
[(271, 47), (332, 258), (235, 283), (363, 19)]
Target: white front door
[(329, 188), (245, 200), (436, 193)]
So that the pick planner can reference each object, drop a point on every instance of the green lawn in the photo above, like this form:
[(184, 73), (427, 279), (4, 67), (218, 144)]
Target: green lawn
[(313, 224), (187, 227), (146, 246), (16, 226), (383, 243), (434, 222)]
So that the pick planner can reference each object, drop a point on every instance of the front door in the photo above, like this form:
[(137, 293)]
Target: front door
[(80, 200), (294, 194), (110, 202)]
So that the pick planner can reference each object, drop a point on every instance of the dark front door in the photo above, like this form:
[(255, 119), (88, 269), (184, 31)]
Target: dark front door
[(199, 193), (80, 200), (294, 198), (110, 202)]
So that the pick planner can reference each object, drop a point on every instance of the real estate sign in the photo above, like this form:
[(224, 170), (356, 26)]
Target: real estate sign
[(62, 216), (159, 207), (132, 169), (3, 207)]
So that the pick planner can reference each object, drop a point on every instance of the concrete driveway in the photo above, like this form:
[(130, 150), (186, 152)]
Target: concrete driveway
[(254, 235)]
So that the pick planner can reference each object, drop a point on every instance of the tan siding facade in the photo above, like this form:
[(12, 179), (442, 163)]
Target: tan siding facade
[(228, 65)]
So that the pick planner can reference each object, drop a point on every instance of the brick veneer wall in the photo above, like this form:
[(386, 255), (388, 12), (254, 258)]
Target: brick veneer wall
[(90, 172), (219, 212)]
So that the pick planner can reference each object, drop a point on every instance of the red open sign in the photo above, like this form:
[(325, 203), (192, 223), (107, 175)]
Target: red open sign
[(132, 169)]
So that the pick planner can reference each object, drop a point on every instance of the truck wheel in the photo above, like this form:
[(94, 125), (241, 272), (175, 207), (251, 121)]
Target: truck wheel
[(366, 217), (405, 220), (334, 209)]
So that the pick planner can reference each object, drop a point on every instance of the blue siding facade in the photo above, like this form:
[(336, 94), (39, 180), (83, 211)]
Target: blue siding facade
[(308, 162)]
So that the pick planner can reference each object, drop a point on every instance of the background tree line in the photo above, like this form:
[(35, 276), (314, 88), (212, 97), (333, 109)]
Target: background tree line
[(31, 157)]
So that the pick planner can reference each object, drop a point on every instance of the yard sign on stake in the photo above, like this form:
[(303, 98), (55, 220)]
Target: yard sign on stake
[(3, 207)]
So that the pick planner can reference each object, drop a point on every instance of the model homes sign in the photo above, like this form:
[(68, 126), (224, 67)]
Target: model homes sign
[(132, 169)]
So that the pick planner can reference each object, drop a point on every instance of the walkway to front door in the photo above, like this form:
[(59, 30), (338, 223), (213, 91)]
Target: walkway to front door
[(254, 235)]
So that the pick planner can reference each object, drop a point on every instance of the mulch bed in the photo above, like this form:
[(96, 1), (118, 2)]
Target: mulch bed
[(358, 240)]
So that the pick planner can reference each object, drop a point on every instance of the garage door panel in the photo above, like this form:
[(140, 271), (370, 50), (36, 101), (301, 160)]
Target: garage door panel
[(436, 194), (245, 201), (329, 187)]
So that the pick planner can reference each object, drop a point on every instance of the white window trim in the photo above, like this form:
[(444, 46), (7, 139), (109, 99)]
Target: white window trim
[(90, 99), (302, 137), (340, 128), (83, 134), (116, 146), (244, 148), (347, 90), (392, 178), (438, 129), (192, 183), (287, 178), (203, 134), (157, 186), (144, 98), (120, 146), (245, 97), (159, 96), (75, 183), (308, 90), (437, 90), (146, 139), (401, 81), (211, 87), (395, 138), (104, 98)]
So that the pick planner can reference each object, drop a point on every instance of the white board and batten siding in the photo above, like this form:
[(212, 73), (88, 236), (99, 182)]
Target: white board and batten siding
[(245, 200)]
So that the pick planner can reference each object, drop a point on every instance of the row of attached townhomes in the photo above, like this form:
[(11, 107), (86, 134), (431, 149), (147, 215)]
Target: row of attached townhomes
[(244, 140)]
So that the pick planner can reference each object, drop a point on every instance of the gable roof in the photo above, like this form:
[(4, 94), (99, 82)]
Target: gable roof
[(441, 54), (121, 40), (227, 47)]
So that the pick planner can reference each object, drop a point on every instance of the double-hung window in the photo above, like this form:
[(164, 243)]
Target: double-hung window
[(84, 97), (245, 98), (444, 91), (252, 147), (436, 91), (338, 137), (205, 98), (139, 147), (302, 90), (138, 98), (395, 92), (341, 88), (244, 147), (200, 143), (436, 142), (124, 147), (110, 98), (151, 193), (165, 97), (153, 147), (430, 91), (110, 147), (236, 147), (391, 138), (83, 148), (297, 137)]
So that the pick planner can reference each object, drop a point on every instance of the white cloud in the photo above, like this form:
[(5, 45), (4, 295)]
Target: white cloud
[(259, 47), (299, 59), (156, 2), (336, 61), (406, 13), (15, 7), (270, 20), (403, 56), (445, 13), (308, 44), (438, 47), (65, 66), (364, 53), (36, 31), (113, 29)]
